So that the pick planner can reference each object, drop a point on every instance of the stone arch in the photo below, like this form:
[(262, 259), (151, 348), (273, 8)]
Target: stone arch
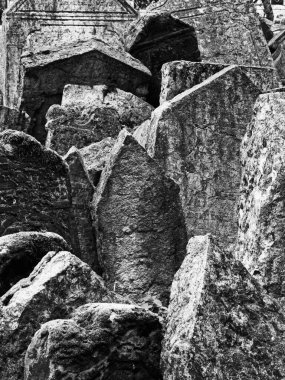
[(159, 38)]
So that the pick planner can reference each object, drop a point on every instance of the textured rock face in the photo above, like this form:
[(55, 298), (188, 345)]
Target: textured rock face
[(90, 114), (227, 31), (21, 252), (34, 188), (13, 119), (220, 325), (42, 25), (141, 235), (261, 215), (95, 157), (84, 63), (156, 39), (81, 195), (58, 285), (101, 341), (179, 76), (195, 138)]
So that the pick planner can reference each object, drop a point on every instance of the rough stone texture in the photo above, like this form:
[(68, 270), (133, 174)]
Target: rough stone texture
[(82, 192), (59, 284), (220, 324), (161, 38), (227, 31), (90, 114), (14, 119), (21, 252), (34, 188), (43, 24), (93, 62), (261, 215), (95, 157), (195, 138), (140, 230), (179, 76), (101, 341)]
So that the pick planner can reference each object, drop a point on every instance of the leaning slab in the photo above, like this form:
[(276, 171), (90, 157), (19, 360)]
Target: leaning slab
[(21, 252), (140, 230), (90, 114), (195, 138), (101, 341), (34, 188), (81, 194), (220, 324), (95, 156), (90, 63), (179, 76), (261, 213), (59, 284), (14, 119)]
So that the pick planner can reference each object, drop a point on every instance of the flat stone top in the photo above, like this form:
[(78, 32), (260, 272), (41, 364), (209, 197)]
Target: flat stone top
[(60, 53), (24, 148)]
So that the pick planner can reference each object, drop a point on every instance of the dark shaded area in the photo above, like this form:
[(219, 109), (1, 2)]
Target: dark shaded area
[(163, 39), (142, 4)]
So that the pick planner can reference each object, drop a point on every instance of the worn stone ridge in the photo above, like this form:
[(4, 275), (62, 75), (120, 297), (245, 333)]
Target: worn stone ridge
[(43, 58), (59, 284), (81, 194), (101, 341), (21, 252), (220, 323), (261, 212), (179, 76), (140, 229), (195, 138), (20, 146)]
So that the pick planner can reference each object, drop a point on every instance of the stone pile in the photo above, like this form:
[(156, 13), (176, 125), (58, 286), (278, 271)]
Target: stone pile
[(140, 243)]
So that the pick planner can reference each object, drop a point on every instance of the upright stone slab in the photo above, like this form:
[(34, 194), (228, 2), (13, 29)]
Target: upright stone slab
[(141, 236), (21, 252), (44, 24), (34, 188), (179, 76), (262, 213), (95, 157), (91, 114), (220, 324), (227, 32), (90, 63), (101, 341), (59, 284), (81, 194), (195, 138), (14, 119)]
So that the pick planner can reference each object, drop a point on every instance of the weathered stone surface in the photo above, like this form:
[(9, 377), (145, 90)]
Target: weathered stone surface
[(34, 188), (220, 324), (82, 192), (179, 76), (21, 252), (261, 215), (159, 38), (43, 24), (90, 114), (195, 138), (101, 341), (227, 31), (59, 284), (84, 63), (14, 119), (140, 230), (95, 157)]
